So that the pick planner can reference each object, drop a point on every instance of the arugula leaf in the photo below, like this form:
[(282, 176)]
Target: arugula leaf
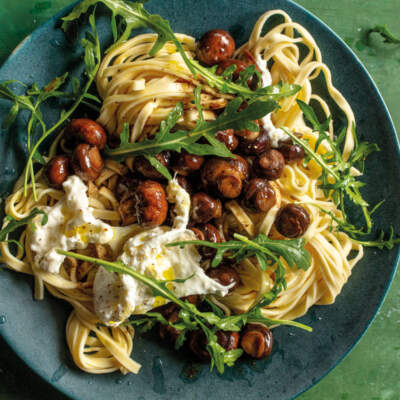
[(383, 30), (181, 339), (34, 97), (12, 224), (255, 316), (159, 167), (124, 135), (336, 179), (135, 16), (92, 58), (267, 252), (190, 318), (381, 243), (12, 115), (165, 139)]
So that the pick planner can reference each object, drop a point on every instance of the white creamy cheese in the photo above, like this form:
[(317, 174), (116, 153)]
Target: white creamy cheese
[(118, 296), (181, 199), (276, 134), (70, 225)]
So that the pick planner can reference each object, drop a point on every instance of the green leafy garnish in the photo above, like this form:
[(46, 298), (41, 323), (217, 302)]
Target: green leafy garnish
[(166, 139), (134, 16), (383, 30), (337, 180), (381, 242), (12, 224), (190, 318), (267, 252), (34, 97)]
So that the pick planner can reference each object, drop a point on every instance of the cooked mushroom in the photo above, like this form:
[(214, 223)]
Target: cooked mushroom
[(87, 162), (225, 175), (187, 163), (240, 67), (292, 221), (198, 342), (142, 165), (151, 206), (58, 170), (260, 144), (259, 195), (204, 208), (225, 275), (239, 64), (215, 46), (228, 138), (257, 341), (211, 234), (270, 164), (292, 152), (184, 183), (87, 131), (228, 340)]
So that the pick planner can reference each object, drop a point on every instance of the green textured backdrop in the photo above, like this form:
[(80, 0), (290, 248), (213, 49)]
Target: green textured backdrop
[(371, 371)]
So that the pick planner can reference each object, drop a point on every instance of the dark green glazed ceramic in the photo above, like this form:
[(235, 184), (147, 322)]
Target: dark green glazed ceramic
[(36, 329)]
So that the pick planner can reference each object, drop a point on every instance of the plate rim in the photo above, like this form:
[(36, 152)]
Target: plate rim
[(321, 25)]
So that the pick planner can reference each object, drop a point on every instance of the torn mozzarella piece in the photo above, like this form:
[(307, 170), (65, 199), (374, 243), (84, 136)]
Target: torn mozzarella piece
[(70, 225)]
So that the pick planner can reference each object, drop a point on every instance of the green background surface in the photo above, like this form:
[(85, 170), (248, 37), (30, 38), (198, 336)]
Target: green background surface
[(371, 371)]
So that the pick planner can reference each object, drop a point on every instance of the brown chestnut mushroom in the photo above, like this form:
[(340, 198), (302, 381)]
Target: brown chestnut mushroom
[(87, 162), (292, 221), (193, 299), (204, 208), (143, 166), (228, 138), (211, 234), (240, 67), (292, 152), (151, 203), (260, 144), (225, 275), (187, 163), (228, 340), (198, 342), (215, 46), (184, 183), (58, 170), (225, 175), (259, 195), (87, 131), (270, 164), (256, 341)]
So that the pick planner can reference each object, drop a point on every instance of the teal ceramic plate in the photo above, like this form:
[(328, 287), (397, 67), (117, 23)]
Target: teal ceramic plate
[(35, 330)]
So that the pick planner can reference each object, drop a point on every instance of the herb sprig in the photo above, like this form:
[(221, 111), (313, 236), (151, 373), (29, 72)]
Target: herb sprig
[(267, 252), (166, 139), (190, 318), (134, 16), (337, 179), (34, 98), (12, 225)]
